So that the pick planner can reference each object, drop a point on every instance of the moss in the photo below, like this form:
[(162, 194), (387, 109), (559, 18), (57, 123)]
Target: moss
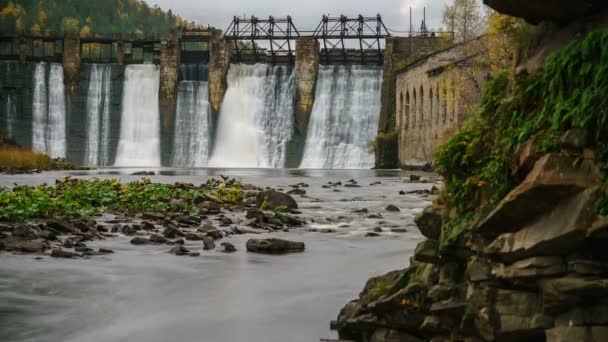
[(386, 148), (570, 91)]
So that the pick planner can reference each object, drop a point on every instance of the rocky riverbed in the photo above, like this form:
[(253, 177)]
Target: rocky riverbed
[(349, 225)]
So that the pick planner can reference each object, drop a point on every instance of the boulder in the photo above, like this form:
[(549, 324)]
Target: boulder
[(534, 267), (430, 222), (138, 240), (25, 232), (587, 333), (274, 246), (63, 227), (208, 243), (478, 269), (427, 251), (560, 294), (171, 232), (60, 253), (14, 244), (194, 237), (275, 199), (525, 158), (179, 250), (159, 240), (553, 178), (392, 208), (228, 247), (389, 335), (105, 251), (575, 139), (559, 232)]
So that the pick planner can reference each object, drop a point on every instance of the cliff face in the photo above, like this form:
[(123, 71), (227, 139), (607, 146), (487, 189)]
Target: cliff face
[(515, 247)]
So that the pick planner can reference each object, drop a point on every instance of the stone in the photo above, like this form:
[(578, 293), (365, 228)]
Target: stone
[(14, 244), (559, 294), (575, 139), (389, 335), (105, 251), (553, 178), (63, 227), (140, 241), (534, 267), (60, 253), (296, 192), (398, 230), (348, 185), (372, 234), (228, 247), (274, 246), (525, 158), (68, 244), (194, 254), (392, 208), (361, 211), (208, 243), (568, 334), (143, 173), (560, 231), (159, 240), (25, 232), (414, 178), (427, 251), (188, 220), (179, 250), (429, 222), (47, 235), (194, 237), (209, 207), (275, 199), (478, 269), (171, 232)]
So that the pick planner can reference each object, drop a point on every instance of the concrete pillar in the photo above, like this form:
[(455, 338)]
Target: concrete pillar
[(169, 78), (219, 63), (22, 51), (120, 53), (71, 62), (307, 69)]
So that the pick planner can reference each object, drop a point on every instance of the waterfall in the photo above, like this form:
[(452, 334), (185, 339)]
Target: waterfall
[(49, 119), (11, 114), (139, 143), (344, 118), (192, 125), (195, 72), (98, 116), (256, 120)]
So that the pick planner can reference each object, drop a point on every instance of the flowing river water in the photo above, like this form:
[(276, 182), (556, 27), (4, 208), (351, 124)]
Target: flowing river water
[(146, 294)]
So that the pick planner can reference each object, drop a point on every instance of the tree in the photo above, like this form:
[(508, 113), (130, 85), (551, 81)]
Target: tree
[(463, 17)]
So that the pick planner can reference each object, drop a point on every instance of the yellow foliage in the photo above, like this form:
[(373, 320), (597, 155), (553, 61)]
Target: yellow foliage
[(85, 31), (502, 46), (36, 29), (42, 16), (71, 24), (18, 157)]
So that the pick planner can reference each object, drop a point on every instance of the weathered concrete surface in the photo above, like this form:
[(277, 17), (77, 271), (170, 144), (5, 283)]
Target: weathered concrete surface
[(71, 63), (219, 63), (399, 52), (169, 78), (307, 68), (120, 53)]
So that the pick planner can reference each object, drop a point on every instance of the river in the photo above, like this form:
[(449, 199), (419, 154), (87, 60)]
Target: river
[(146, 294)]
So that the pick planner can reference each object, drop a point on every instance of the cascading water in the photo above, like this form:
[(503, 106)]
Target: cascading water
[(49, 119), (344, 118), (195, 72), (139, 143), (192, 125), (11, 114), (98, 116), (256, 120)]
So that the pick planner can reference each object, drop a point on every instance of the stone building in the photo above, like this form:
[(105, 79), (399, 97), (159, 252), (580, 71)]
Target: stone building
[(434, 95)]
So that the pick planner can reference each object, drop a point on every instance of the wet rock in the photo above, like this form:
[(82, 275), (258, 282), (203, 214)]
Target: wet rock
[(372, 234), (347, 185), (374, 216), (361, 211), (105, 251), (143, 173), (398, 230), (296, 192), (14, 244), (188, 220), (375, 183), (327, 231), (274, 246), (392, 208), (63, 227), (153, 216), (159, 240), (414, 178), (194, 254), (83, 250), (225, 221), (427, 251), (378, 230), (194, 237), (60, 253), (68, 244), (274, 199), (402, 192), (25, 232), (171, 232), (140, 241), (179, 242), (429, 222), (179, 250), (209, 207), (228, 247), (208, 243)]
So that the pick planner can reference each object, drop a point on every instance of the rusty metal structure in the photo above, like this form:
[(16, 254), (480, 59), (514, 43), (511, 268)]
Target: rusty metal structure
[(333, 33)]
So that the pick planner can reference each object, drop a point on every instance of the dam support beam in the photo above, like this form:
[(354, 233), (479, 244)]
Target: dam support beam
[(169, 79), (219, 63), (120, 53), (307, 69), (398, 53), (71, 63)]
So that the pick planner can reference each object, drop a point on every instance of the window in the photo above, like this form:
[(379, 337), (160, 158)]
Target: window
[(407, 109), (414, 110), (445, 103), (431, 99), (421, 107), (400, 115)]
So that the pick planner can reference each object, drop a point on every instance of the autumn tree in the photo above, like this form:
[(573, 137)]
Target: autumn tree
[(464, 18)]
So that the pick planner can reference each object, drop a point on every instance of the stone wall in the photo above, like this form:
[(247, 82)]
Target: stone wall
[(71, 63), (399, 52), (433, 97), (169, 78), (219, 63)]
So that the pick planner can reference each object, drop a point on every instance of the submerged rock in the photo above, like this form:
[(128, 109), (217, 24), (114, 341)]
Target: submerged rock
[(60, 253), (274, 246), (392, 208), (208, 243), (275, 199), (228, 247), (179, 250)]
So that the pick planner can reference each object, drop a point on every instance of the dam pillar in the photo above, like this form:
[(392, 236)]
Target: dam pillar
[(22, 51), (170, 59), (398, 53), (71, 62), (307, 69), (219, 63), (120, 53)]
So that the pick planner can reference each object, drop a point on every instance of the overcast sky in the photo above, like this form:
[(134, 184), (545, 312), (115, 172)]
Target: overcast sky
[(306, 13)]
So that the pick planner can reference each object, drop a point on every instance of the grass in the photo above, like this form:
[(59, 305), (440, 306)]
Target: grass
[(21, 158)]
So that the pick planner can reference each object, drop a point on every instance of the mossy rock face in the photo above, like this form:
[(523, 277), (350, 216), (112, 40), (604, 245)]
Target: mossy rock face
[(427, 251), (386, 148), (429, 222)]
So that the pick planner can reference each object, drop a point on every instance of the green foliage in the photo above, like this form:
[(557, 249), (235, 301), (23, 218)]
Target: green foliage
[(569, 92), (386, 149), (101, 16), (75, 198), (229, 193), (280, 212)]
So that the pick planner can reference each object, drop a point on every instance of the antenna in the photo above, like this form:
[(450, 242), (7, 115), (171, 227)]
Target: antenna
[(411, 28), (424, 31)]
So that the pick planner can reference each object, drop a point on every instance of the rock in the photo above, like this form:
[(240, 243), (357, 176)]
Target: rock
[(347, 185), (143, 173), (209, 207), (63, 227), (429, 222), (296, 192), (398, 230), (327, 231), (25, 232), (14, 244), (525, 158), (361, 211), (586, 333), (372, 234), (389, 335), (179, 242), (60, 253), (68, 244), (392, 208), (153, 216), (478, 269), (83, 250), (208, 243), (427, 251), (194, 237), (105, 251), (402, 192), (274, 199), (375, 183), (559, 294), (48, 235), (374, 216), (171, 232), (553, 178), (140, 241), (535, 267), (575, 140), (194, 254), (378, 230), (188, 220), (179, 250), (228, 247), (559, 232), (159, 240), (414, 178), (274, 246)]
